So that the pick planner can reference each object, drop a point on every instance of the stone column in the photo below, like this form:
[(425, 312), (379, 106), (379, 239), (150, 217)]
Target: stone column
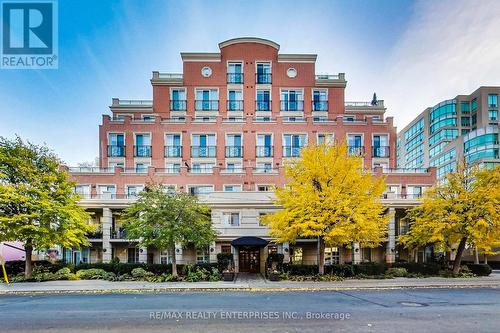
[(212, 253), (356, 253), (286, 252), (234, 251), (390, 251), (178, 254), (107, 223), (143, 255)]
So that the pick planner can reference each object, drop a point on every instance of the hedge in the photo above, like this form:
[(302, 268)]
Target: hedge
[(420, 268), (480, 269)]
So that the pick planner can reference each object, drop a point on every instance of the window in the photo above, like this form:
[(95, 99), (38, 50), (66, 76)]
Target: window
[(465, 107), (225, 248), (263, 75), (261, 215), (332, 255), (173, 168), (148, 118), (232, 188), (325, 138), (465, 121), (234, 147), (231, 219), (492, 100), (234, 100), (320, 100), (173, 146), (264, 145), (113, 165), (106, 191), (132, 255), (292, 144), (116, 147), (355, 143), (202, 256), (264, 167), (234, 72), (203, 189), (292, 100), (202, 167), (141, 167), (133, 191), (297, 255), (178, 100), (234, 167), (493, 115), (366, 254), (142, 146), (165, 257), (414, 191), (203, 145), (264, 188), (473, 105), (380, 146), (83, 191), (207, 100), (414, 129), (443, 123), (263, 102)]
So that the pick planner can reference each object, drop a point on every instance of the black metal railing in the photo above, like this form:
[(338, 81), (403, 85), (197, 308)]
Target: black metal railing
[(235, 105), (263, 105), (292, 106), (178, 105), (203, 151), (263, 78), (264, 151), (173, 151), (320, 105), (117, 234), (116, 151), (380, 151), (142, 151), (95, 235), (291, 151), (356, 150), (234, 77), (234, 151), (206, 105)]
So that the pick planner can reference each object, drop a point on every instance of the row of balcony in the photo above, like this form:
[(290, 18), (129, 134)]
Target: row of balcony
[(237, 105), (235, 151)]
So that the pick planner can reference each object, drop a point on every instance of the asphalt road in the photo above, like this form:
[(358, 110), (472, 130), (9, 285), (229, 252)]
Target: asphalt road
[(406, 310)]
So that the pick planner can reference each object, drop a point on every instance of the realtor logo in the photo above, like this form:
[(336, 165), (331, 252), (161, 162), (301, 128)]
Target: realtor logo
[(29, 34)]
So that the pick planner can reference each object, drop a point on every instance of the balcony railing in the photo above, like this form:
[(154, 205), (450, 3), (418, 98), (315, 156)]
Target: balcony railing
[(320, 105), (95, 235), (357, 150), (206, 105), (264, 151), (203, 151), (263, 105), (263, 78), (234, 151), (202, 169), (173, 151), (235, 105), (291, 151), (178, 105), (234, 77), (292, 106), (142, 151), (116, 151), (380, 151), (117, 234)]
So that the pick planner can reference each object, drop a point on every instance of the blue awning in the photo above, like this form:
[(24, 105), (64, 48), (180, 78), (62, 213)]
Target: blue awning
[(249, 241)]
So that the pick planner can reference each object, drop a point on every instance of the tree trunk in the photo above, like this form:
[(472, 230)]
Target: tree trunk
[(28, 266), (458, 256), (321, 256), (174, 263), (476, 255)]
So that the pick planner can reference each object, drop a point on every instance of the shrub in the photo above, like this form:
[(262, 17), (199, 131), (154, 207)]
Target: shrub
[(420, 268), (64, 271), (141, 274), (397, 272), (344, 270), (300, 269), (224, 261), (94, 274), (479, 269), (369, 268), (215, 275)]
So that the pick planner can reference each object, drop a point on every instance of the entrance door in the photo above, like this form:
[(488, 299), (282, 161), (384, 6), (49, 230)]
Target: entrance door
[(249, 259)]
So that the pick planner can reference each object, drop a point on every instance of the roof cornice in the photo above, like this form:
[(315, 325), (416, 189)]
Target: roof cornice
[(200, 57), (249, 40)]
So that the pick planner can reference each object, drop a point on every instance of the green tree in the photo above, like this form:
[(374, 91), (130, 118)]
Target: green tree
[(162, 219), (330, 197), (38, 205), (463, 211)]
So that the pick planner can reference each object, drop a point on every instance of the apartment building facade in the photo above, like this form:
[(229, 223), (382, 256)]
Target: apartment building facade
[(465, 127), (223, 130)]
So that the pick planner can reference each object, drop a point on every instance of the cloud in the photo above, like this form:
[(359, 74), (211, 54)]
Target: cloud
[(449, 48)]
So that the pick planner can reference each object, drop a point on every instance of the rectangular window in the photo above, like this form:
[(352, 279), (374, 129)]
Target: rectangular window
[(263, 101), (142, 146), (264, 167), (492, 100), (234, 146), (106, 191), (297, 255), (332, 255), (134, 190), (231, 219), (165, 257), (465, 121), (465, 107), (234, 72), (203, 189), (292, 100), (264, 188), (83, 191), (473, 105), (234, 100), (325, 138), (234, 167), (232, 188), (493, 115), (173, 168), (202, 167), (292, 144), (355, 143), (380, 146), (116, 145), (225, 248), (207, 100), (203, 145), (173, 147), (178, 100), (264, 145), (132, 255), (320, 100), (202, 256), (263, 75), (141, 167)]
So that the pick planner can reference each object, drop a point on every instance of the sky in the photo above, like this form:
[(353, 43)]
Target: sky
[(413, 54)]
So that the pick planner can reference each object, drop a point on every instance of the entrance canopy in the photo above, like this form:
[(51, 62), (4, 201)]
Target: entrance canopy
[(249, 241)]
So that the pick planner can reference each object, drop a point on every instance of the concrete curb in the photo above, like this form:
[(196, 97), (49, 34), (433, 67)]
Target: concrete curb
[(238, 289)]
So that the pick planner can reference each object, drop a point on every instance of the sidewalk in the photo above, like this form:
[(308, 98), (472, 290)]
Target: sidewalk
[(244, 284)]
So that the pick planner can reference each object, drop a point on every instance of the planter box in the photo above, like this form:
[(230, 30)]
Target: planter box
[(274, 277), (228, 276)]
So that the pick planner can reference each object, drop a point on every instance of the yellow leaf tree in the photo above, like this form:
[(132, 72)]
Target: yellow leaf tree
[(330, 197), (463, 210)]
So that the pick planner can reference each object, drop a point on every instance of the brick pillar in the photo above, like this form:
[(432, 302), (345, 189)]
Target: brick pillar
[(107, 222), (390, 252)]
